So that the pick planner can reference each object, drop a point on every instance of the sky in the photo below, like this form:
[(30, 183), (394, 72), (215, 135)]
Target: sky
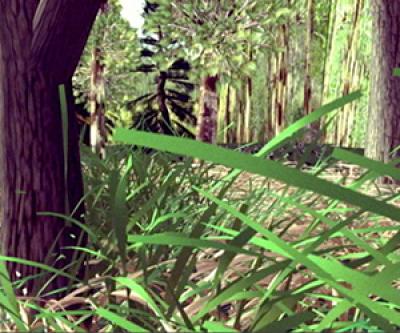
[(132, 11)]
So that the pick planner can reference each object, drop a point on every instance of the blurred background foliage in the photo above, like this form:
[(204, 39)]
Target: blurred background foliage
[(259, 53)]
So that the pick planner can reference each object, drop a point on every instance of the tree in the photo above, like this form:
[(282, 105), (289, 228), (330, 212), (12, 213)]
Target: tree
[(308, 55), (383, 134), (214, 37), (41, 43), (347, 65), (168, 107), (350, 78), (104, 81), (280, 77)]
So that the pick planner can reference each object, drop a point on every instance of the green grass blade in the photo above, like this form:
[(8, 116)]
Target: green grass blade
[(5, 282), (258, 166), (293, 129), (216, 327), (65, 127), (40, 266), (177, 239), (120, 321), (286, 324), (239, 241), (374, 166), (141, 292), (323, 269), (307, 120), (119, 212), (237, 287)]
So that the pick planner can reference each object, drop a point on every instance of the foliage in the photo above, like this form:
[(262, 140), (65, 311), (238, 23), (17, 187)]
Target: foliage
[(182, 245), (168, 108), (235, 41), (119, 47), (174, 249), (215, 36)]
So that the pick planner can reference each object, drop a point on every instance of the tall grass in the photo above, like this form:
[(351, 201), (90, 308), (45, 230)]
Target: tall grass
[(174, 246)]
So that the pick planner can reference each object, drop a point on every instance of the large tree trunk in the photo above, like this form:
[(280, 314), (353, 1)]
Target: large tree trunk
[(32, 172), (207, 128), (383, 134), (40, 48)]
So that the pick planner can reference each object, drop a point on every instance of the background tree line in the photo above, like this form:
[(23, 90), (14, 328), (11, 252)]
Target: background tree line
[(271, 64)]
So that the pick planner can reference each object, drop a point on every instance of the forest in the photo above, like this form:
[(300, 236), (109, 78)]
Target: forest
[(226, 166)]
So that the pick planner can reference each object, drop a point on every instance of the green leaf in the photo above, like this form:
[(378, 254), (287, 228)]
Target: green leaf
[(8, 300), (120, 321), (327, 270), (177, 239), (141, 292), (237, 287), (119, 212), (287, 323), (359, 160), (65, 126), (249, 68), (216, 327), (258, 166)]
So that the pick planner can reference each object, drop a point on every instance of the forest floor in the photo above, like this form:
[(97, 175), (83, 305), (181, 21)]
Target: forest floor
[(294, 228), (343, 174), (286, 220)]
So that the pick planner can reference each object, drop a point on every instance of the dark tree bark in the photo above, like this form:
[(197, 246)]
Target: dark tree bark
[(383, 134), (207, 129), (162, 104), (40, 46)]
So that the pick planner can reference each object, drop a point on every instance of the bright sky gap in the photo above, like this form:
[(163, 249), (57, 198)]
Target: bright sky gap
[(132, 11)]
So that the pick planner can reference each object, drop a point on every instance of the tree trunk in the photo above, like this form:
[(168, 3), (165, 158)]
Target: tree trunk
[(162, 104), (329, 43), (248, 137), (383, 134), (308, 58), (241, 114), (348, 76), (33, 173), (97, 109), (274, 86), (227, 118), (282, 79), (268, 128), (40, 48), (207, 129), (329, 57), (222, 125), (248, 86), (233, 111)]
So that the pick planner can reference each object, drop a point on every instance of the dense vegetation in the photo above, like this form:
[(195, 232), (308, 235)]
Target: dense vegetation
[(124, 207)]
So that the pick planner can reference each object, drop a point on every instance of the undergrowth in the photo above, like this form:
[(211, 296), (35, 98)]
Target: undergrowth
[(174, 248)]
